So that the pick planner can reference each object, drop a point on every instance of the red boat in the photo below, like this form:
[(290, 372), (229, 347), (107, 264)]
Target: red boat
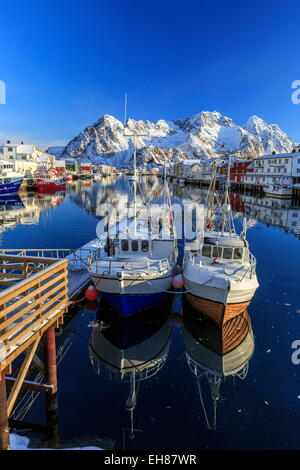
[(49, 181)]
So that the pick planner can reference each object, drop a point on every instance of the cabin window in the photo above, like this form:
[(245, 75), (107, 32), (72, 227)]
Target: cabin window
[(145, 245), (238, 253), (135, 245), (124, 245), (217, 252), (206, 251), (227, 253)]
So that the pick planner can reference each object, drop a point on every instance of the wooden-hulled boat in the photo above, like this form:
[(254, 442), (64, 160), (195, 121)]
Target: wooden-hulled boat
[(219, 270)]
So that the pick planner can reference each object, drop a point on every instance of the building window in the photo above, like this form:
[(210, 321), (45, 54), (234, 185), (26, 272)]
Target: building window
[(9, 149)]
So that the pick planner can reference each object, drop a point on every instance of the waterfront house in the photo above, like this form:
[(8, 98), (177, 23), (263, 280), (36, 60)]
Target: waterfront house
[(270, 169), (24, 157), (85, 169)]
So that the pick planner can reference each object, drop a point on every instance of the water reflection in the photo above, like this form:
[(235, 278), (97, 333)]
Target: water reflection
[(116, 190), (25, 210), (214, 353), (130, 350)]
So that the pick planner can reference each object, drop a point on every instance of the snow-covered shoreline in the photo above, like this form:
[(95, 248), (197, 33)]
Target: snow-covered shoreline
[(18, 442)]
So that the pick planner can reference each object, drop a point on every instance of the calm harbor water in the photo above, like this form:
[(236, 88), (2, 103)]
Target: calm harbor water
[(170, 407)]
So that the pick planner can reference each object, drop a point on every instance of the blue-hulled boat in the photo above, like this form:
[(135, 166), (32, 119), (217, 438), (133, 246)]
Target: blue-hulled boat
[(10, 185), (135, 264)]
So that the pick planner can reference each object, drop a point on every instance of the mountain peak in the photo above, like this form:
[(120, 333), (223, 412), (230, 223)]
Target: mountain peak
[(202, 135)]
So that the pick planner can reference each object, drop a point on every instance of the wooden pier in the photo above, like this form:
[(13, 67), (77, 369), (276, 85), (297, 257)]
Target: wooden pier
[(33, 300)]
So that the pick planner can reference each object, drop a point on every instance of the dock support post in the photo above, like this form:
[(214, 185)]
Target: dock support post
[(4, 428), (50, 358), (51, 399)]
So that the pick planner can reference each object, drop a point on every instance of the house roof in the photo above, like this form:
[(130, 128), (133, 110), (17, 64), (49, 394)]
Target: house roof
[(279, 155)]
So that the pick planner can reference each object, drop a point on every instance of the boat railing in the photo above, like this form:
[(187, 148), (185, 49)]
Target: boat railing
[(250, 271), (132, 266)]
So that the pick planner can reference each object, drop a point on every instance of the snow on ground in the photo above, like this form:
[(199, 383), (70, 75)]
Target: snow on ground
[(18, 442)]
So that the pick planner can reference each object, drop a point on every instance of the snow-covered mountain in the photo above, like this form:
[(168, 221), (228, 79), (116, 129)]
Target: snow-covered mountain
[(161, 142)]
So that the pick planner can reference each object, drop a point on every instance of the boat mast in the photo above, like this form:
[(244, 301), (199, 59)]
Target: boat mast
[(226, 204)]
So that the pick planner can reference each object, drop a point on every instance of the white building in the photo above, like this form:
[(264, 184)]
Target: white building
[(296, 168), (270, 169), (23, 156)]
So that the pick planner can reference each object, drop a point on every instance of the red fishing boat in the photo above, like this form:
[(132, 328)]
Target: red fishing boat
[(48, 181)]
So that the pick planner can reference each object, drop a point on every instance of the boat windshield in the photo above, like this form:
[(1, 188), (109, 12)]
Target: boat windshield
[(224, 252)]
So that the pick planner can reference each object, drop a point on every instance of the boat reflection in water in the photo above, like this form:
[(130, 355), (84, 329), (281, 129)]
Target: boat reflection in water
[(214, 353), (131, 350)]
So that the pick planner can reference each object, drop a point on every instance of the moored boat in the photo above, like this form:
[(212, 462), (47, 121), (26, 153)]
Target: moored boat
[(134, 267), (48, 181), (10, 184), (283, 191), (219, 271)]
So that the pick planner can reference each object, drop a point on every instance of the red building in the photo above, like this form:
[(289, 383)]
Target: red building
[(239, 169)]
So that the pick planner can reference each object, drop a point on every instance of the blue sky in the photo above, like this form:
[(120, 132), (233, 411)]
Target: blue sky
[(66, 63)]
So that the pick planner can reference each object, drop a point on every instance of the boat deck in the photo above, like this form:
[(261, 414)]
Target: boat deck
[(128, 266)]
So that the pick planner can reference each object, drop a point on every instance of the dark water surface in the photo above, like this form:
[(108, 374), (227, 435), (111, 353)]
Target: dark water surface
[(258, 411)]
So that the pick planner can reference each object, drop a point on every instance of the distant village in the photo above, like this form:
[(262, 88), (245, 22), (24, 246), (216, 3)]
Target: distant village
[(280, 169)]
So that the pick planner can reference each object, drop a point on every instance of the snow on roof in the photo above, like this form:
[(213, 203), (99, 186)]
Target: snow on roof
[(279, 155), (60, 163), (25, 148), (190, 162)]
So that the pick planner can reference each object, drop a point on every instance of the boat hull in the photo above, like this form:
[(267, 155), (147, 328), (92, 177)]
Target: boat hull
[(287, 195), (127, 305), (131, 295), (217, 311), (219, 298), (10, 188)]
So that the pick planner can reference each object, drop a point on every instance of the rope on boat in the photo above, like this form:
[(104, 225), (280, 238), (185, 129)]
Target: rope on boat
[(181, 292)]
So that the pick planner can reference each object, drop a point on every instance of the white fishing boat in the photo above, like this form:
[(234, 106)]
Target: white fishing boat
[(279, 190), (134, 267), (219, 271)]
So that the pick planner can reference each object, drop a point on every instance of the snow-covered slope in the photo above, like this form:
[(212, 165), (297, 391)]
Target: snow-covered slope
[(56, 150), (200, 136)]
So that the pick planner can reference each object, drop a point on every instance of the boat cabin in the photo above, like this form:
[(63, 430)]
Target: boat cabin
[(138, 246), (225, 253)]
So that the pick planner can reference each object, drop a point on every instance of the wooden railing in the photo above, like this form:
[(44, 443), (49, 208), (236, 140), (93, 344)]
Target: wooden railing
[(36, 300), (13, 268)]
